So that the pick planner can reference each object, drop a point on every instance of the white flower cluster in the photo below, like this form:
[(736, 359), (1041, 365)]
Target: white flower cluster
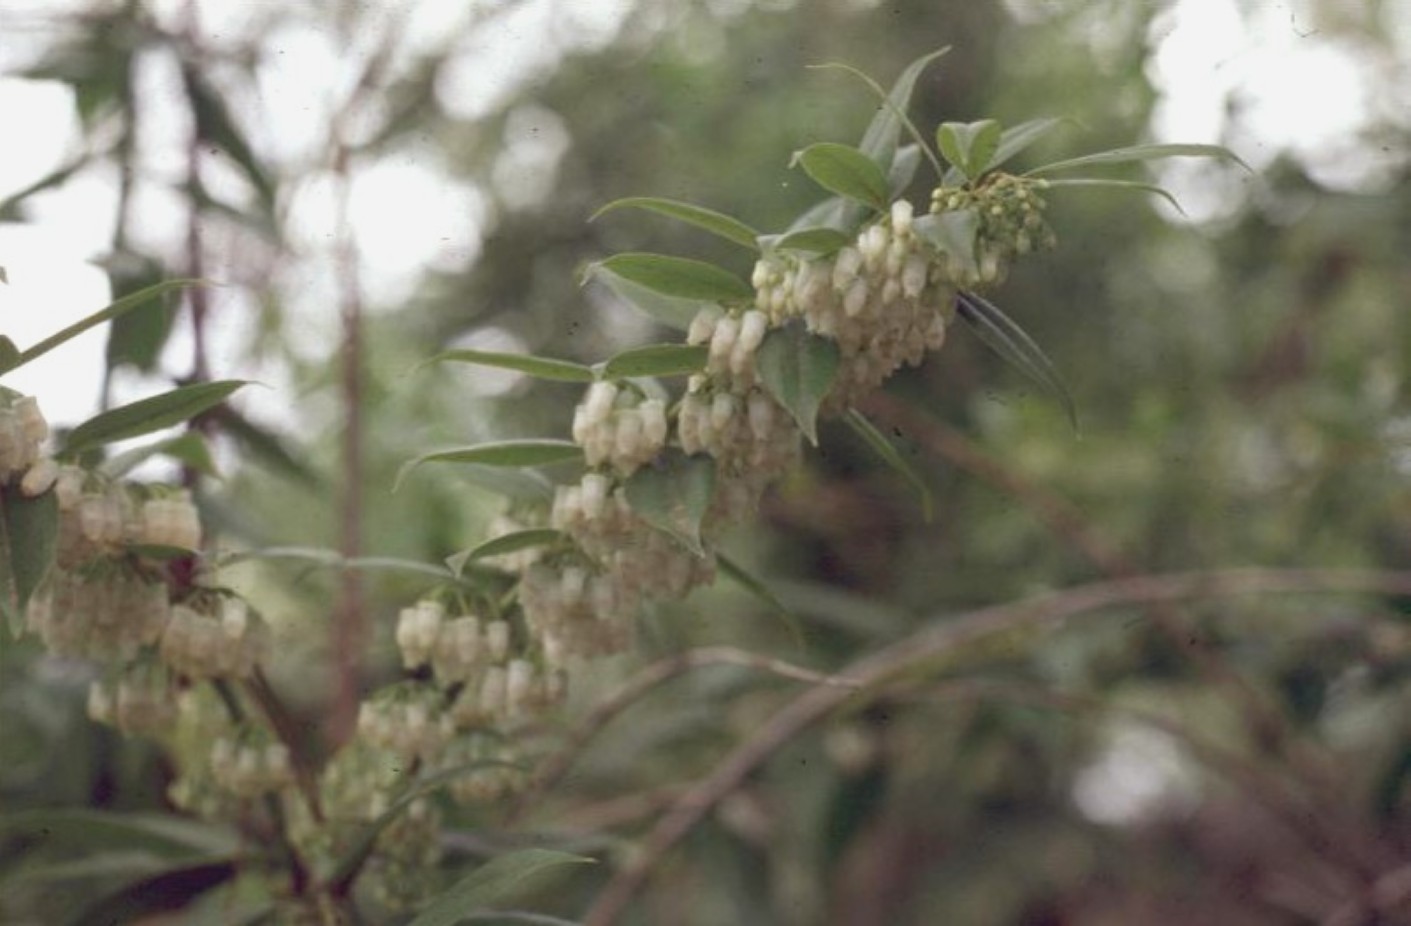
[(22, 434), (507, 694), (749, 435), (250, 768), (102, 518), (226, 643), (1010, 222), (619, 428), (103, 612), (885, 300), (408, 720), (490, 770), (732, 339), (138, 700)]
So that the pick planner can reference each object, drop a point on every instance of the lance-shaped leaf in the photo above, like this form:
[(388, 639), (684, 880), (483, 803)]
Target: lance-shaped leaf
[(673, 494), (889, 454), (750, 583), (505, 879), (822, 241), (9, 354), (798, 369), (332, 559), (1129, 185), (680, 277), (879, 142), (846, 171), (671, 311), (565, 371), (512, 542), (953, 234), (116, 310), (903, 169), (970, 146), (1143, 153), (1012, 142), (1007, 339), (498, 453), (656, 360), (717, 223), (148, 415), (189, 449), (29, 530)]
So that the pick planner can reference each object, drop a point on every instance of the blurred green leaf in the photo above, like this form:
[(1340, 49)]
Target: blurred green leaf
[(498, 453), (656, 360), (166, 892), (148, 415), (137, 338), (1128, 185), (671, 311), (542, 367), (29, 531), (679, 277), (884, 449), (190, 449), (214, 125), (102, 829), (263, 444), (846, 171), (501, 880), (798, 370), (903, 169), (673, 495), (505, 543), (756, 587), (1142, 153), (820, 241), (1010, 341), (717, 223)]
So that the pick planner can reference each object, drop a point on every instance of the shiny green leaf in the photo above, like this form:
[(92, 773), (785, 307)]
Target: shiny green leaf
[(680, 277), (969, 146), (656, 360), (798, 370), (1143, 153), (717, 223), (671, 311), (499, 453), (846, 171), (820, 241), (505, 543), (148, 415), (673, 494)]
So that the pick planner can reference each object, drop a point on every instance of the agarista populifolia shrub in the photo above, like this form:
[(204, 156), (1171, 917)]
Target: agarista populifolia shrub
[(859, 286)]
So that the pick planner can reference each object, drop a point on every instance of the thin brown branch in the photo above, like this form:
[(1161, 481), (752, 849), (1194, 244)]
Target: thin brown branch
[(552, 769), (937, 641)]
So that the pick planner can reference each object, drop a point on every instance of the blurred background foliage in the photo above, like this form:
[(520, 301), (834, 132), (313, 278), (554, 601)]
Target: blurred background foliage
[(1241, 377)]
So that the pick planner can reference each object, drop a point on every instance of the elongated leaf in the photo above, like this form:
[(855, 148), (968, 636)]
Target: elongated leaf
[(879, 142), (717, 223), (1010, 341), (952, 233), (521, 484), (9, 354), (148, 415), (264, 445), (747, 580), (505, 543), (798, 369), (835, 212), (1013, 141), (680, 277), (215, 125), (97, 829), (673, 494), (501, 880), (162, 893), (821, 241), (903, 169), (137, 338), (189, 449), (116, 864), (656, 360), (499, 453), (115, 310), (1143, 153), (332, 559), (1129, 185), (29, 531), (846, 171), (888, 453), (671, 311), (542, 367)]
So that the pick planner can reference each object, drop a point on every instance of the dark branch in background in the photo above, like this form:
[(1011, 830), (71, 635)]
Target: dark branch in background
[(936, 643)]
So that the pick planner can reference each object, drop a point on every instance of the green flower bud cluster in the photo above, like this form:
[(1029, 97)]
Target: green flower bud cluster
[(1010, 215)]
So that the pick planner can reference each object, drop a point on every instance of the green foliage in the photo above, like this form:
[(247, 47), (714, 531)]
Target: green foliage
[(506, 879), (846, 171), (673, 496), (28, 534), (798, 369), (677, 277), (147, 415)]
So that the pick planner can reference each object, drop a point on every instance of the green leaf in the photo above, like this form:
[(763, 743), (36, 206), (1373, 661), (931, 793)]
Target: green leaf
[(821, 241), (798, 369), (499, 881), (1007, 339), (332, 559), (99, 829), (1016, 139), (265, 445), (520, 484), (668, 310), (846, 171), (9, 353), (116, 864), (115, 310), (138, 337), (880, 140), (656, 360), (499, 453), (717, 223), (952, 233), (505, 543), (565, 371), (969, 146), (746, 580), (189, 449), (903, 169), (29, 530), (889, 454), (1143, 153), (680, 277), (673, 494), (148, 415), (1130, 185), (167, 892), (4, 276), (215, 126)]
